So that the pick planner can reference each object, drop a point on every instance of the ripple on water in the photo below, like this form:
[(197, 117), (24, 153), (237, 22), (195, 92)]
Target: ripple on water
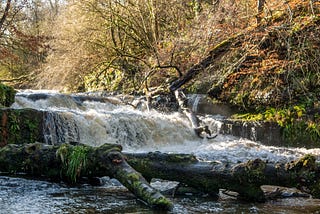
[(18, 195)]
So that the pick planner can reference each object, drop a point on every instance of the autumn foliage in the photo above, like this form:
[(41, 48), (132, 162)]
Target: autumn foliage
[(135, 46)]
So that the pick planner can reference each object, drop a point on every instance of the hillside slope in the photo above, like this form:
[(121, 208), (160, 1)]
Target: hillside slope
[(275, 63)]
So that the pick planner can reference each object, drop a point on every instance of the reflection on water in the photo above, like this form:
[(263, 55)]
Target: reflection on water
[(18, 195)]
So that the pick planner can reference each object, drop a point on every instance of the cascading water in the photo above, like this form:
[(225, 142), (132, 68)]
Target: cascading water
[(95, 120), (99, 121)]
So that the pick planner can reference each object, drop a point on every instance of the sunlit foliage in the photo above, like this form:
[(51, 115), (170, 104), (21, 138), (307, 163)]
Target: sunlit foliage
[(23, 40), (136, 44)]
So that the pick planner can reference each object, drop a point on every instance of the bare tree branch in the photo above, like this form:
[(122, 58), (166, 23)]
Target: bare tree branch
[(5, 14)]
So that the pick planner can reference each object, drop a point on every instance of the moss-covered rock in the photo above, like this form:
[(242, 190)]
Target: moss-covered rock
[(21, 126), (7, 95)]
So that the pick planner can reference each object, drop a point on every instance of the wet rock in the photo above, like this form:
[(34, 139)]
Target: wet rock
[(268, 133), (21, 126)]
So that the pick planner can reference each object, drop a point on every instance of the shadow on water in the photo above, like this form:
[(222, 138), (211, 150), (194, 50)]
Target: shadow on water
[(20, 195)]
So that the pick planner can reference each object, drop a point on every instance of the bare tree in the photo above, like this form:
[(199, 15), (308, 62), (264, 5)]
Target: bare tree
[(23, 44)]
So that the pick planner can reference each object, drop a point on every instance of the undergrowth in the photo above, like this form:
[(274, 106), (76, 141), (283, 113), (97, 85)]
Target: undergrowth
[(74, 159), (275, 64)]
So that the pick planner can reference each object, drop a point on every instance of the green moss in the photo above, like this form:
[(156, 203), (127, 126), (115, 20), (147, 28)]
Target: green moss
[(181, 158), (7, 95), (14, 126), (31, 148), (21, 126), (277, 16), (296, 125), (304, 174), (110, 147), (162, 203), (248, 116), (151, 196), (133, 177), (224, 44), (255, 170), (307, 162), (251, 176), (32, 126)]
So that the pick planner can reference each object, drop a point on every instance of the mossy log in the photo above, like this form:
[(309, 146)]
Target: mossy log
[(69, 163), (243, 178)]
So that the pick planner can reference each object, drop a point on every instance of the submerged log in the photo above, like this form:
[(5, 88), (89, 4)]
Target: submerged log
[(73, 162), (69, 163)]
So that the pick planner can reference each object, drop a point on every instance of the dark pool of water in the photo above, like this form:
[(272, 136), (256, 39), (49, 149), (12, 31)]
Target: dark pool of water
[(20, 195)]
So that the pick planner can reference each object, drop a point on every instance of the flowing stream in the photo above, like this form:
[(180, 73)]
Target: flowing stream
[(97, 119)]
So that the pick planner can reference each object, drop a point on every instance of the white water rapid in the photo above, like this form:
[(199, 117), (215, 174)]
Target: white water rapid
[(95, 120)]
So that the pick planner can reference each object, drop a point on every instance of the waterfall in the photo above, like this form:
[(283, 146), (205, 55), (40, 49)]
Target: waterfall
[(60, 128), (97, 119)]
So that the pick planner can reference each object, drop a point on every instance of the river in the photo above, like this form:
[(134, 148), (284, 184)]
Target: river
[(96, 119)]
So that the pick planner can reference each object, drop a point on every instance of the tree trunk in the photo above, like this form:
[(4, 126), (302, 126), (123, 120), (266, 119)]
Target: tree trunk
[(215, 52), (72, 162), (244, 178), (260, 7), (4, 16), (69, 163), (201, 130)]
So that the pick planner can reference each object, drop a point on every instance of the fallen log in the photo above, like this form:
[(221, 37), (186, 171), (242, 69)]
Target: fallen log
[(243, 178), (69, 163)]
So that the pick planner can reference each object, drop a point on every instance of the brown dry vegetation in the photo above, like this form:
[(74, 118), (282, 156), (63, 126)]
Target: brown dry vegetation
[(273, 64), (131, 47), (140, 45), (24, 39), (134, 46)]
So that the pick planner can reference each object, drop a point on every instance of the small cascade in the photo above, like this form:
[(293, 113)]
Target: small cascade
[(95, 120), (195, 102), (60, 128)]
